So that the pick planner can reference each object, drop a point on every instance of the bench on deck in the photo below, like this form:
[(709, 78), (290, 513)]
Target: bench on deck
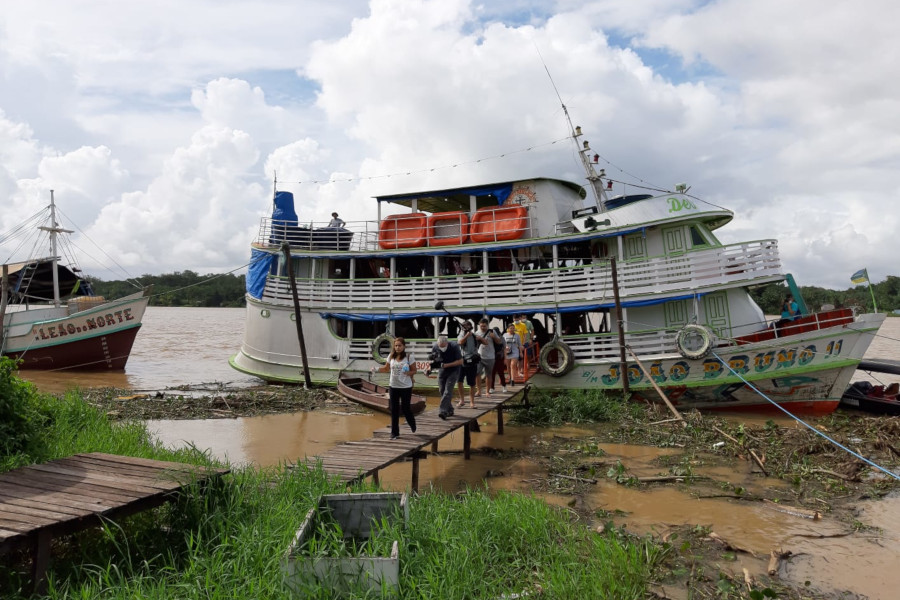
[(60, 497)]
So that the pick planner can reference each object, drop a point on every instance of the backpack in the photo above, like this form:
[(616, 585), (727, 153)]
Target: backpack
[(499, 348)]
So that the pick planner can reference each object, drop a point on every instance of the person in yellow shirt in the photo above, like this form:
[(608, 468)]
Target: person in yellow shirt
[(525, 339)]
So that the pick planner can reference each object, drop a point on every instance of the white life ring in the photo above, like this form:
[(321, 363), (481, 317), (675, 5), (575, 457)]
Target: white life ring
[(694, 330), (566, 360), (376, 347)]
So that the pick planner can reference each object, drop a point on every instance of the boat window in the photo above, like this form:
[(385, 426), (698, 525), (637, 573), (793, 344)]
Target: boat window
[(460, 264), (414, 266), (584, 322), (697, 238), (420, 328), (339, 269)]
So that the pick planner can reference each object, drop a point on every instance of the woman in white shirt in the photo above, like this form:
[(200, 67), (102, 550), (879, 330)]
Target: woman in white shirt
[(513, 352), (401, 366)]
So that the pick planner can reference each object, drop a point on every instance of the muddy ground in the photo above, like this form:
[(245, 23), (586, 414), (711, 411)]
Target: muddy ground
[(823, 479)]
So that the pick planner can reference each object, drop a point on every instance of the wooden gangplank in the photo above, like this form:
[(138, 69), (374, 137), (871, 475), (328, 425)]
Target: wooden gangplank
[(354, 461), (60, 497)]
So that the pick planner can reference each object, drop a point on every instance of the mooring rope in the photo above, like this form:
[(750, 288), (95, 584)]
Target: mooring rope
[(804, 423)]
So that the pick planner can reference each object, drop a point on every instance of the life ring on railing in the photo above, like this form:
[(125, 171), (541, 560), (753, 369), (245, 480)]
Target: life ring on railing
[(694, 330), (564, 363), (376, 347)]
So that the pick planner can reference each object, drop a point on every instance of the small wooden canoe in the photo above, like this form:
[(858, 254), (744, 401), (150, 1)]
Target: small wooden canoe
[(372, 395)]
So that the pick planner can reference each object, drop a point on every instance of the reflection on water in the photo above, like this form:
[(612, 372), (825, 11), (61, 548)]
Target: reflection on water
[(176, 346)]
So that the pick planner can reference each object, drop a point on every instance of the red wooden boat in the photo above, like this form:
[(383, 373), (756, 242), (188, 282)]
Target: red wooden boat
[(372, 395)]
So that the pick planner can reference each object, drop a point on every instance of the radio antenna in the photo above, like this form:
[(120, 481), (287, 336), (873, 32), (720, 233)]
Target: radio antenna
[(584, 152)]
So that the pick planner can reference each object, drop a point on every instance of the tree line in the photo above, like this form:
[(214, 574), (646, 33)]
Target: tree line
[(182, 288), (187, 288), (887, 296)]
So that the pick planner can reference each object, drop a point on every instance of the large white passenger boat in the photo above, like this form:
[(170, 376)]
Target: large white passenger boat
[(571, 262)]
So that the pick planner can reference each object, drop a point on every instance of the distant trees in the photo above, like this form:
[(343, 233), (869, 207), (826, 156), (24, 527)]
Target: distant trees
[(887, 295), (182, 288)]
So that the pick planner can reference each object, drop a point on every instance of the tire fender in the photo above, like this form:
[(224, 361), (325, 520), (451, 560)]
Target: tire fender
[(567, 358), (376, 346), (693, 329)]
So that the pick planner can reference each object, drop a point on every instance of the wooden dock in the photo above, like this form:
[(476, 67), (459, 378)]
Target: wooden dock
[(354, 461), (43, 501)]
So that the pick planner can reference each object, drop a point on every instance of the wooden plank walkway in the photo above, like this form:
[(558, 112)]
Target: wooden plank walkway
[(42, 501), (354, 461)]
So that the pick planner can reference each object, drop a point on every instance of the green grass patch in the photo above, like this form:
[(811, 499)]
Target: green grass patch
[(576, 406), (227, 540)]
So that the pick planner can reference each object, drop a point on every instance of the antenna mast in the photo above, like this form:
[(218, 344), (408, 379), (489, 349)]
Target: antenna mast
[(588, 162), (584, 150)]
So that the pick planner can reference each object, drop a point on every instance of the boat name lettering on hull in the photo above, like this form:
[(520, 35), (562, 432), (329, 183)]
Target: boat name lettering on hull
[(80, 325), (711, 368)]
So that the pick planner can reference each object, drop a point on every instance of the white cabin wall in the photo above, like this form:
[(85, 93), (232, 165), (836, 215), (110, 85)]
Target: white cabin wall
[(554, 203), (746, 315)]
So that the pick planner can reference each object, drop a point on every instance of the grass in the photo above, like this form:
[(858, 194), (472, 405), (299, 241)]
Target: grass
[(227, 541), (576, 406)]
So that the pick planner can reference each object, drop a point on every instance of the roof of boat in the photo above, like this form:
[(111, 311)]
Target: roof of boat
[(457, 198)]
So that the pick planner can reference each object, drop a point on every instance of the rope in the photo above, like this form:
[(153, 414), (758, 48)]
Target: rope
[(804, 423), (213, 278), (432, 169)]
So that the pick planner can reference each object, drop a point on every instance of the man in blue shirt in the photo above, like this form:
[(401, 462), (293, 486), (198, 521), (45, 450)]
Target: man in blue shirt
[(446, 357)]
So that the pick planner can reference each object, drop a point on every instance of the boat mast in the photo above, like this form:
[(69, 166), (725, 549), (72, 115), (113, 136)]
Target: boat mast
[(53, 230), (584, 151)]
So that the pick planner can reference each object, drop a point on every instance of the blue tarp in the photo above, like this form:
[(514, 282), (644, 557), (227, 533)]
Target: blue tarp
[(284, 208), (260, 263), (500, 191)]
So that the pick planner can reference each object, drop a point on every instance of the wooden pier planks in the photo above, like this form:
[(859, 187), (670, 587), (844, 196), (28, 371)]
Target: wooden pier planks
[(352, 461), (41, 501)]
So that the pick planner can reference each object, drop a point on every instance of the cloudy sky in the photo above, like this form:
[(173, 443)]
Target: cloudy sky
[(160, 124)]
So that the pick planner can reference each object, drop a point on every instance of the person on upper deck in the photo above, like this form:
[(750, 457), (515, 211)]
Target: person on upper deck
[(336, 221), (789, 311)]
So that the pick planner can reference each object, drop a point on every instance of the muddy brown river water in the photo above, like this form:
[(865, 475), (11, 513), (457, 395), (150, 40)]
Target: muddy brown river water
[(190, 346)]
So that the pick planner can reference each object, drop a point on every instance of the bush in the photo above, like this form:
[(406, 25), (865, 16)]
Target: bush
[(19, 418)]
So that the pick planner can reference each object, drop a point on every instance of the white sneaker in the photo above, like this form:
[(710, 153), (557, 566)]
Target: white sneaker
[(491, 391), (504, 389)]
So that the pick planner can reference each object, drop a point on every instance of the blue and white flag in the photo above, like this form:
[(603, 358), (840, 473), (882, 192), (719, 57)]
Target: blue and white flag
[(861, 276)]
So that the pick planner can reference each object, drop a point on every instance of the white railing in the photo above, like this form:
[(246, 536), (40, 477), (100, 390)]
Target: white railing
[(396, 231), (750, 261), (599, 346)]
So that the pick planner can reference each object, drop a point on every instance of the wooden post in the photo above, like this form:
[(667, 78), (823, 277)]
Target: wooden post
[(375, 477), (500, 419), (3, 300), (415, 474), (467, 442), (40, 560), (656, 387), (623, 366), (286, 248)]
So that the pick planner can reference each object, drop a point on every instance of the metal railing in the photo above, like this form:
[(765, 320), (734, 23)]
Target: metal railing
[(745, 262)]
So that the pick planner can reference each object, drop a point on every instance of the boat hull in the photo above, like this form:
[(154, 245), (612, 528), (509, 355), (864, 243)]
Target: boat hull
[(805, 373), (96, 339)]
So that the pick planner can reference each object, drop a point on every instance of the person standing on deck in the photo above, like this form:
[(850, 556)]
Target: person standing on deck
[(468, 345), (447, 358), (486, 350), (402, 367), (336, 221), (513, 347)]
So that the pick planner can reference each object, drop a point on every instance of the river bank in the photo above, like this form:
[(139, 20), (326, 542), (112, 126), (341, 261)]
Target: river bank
[(727, 474)]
